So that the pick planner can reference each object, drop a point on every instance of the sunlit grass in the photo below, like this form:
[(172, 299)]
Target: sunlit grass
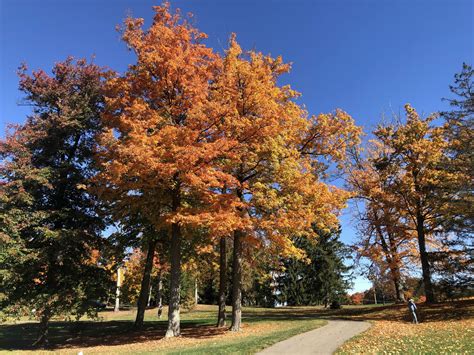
[(113, 332), (444, 329)]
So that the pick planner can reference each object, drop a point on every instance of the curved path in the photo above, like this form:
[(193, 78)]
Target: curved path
[(323, 340)]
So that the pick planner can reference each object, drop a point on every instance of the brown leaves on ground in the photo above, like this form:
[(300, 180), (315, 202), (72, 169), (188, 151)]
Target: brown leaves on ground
[(444, 328), (395, 337)]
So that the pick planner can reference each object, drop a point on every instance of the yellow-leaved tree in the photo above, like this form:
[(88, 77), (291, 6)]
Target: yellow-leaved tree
[(384, 237), (276, 158), (412, 157)]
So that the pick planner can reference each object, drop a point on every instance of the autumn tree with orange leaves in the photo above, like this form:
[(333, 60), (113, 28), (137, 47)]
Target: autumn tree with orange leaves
[(196, 140), (276, 161), (384, 238), (160, 145), (413, 199)]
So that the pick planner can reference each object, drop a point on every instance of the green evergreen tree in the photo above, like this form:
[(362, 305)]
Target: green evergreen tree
[(454, 263), (49, 223), (324, 279), (460, 158)]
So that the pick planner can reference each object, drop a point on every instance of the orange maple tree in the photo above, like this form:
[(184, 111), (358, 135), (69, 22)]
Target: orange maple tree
[(357, 298)]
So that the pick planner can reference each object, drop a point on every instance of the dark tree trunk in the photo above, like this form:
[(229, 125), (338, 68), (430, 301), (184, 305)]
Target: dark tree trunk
[(145, 287), (222, 282), (42, 340), (425, 265), (420, 230), (237, 282), (175, 280), (398, 285)]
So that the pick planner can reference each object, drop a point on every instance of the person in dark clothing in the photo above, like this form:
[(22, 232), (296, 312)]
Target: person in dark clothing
[(412, 308)]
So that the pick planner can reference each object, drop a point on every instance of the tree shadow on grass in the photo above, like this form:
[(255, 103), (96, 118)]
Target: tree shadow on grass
[(63, 335)]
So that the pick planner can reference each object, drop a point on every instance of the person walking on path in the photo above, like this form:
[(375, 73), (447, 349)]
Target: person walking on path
[(412, 308)]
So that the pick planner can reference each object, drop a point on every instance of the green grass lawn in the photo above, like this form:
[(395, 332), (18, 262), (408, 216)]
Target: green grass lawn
[(252, 343), (113, 333), (445, 328)]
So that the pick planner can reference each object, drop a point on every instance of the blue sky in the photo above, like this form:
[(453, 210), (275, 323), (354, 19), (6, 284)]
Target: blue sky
[(368, 57)]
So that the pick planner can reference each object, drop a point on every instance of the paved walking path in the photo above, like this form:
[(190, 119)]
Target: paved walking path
[(323, 340)]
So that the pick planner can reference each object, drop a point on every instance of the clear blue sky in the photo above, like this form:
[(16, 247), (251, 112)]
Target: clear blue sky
[(367, 57)]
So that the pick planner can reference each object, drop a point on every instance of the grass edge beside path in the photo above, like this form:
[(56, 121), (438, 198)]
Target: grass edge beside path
[(340, 349), (251, 344)]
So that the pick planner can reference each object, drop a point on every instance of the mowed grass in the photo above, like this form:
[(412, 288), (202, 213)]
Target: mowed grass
[(114, 333), (446, 328)]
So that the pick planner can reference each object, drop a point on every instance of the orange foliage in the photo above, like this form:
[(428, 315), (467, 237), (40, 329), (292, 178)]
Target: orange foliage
[(157, 153), (200, 140), (273, 157), (357, 298)]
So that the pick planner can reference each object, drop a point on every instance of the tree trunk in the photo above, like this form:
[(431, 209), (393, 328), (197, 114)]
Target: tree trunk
[(420, 230), (149, 296), (391, 254), (398, 285), (237, 282), (175, 281), (117, 291), (196, 295), (425, 265), (222, 282), (42, 340), (145, 287), (159, 295)]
